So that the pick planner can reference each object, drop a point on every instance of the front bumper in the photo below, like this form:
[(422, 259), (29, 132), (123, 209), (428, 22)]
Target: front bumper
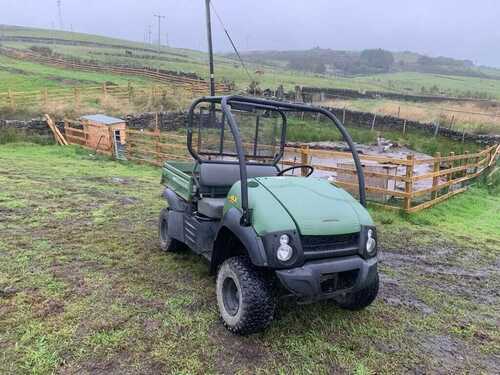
[(325, 279)]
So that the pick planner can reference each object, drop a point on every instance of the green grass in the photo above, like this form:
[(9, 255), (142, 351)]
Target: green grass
[(413, 82), (26, 76), (85, 288), (192, 61)]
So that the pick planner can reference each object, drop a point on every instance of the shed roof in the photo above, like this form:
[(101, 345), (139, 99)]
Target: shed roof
[(102, 119)]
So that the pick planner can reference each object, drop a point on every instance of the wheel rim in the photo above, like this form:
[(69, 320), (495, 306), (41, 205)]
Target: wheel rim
[(230, 296), (164, 230)]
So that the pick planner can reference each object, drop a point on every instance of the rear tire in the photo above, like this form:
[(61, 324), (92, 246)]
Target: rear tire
[(245, 298), (167, 243), (360, 299)]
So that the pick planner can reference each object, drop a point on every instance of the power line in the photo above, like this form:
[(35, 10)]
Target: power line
[(231, 41)]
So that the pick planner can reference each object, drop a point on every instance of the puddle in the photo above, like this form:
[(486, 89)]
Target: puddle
[(383, 150)]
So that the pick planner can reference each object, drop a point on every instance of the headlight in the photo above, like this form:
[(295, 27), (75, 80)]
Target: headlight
[(371, 243), (285, 251)]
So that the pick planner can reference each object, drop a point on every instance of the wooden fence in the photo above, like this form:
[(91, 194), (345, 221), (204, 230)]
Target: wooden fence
[(190, 84), (77, 134), (79, 95), (401, 184)]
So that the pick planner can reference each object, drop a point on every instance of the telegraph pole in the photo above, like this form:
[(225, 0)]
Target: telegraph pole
[(210, 49), (159, 16), (59, 11)]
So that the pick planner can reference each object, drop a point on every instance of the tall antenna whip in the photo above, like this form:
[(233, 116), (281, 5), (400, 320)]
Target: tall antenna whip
[(210, 49), (232, 43)]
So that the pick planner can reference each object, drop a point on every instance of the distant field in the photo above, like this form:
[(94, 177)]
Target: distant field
[(25, 76), (451, 85)]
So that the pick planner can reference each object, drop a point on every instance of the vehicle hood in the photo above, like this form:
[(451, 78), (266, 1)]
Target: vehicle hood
[(316, 206)]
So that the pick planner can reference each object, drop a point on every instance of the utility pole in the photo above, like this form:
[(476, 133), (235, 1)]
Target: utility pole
[(210, 49), (150, 33), (159, 39), (159, 16), (59, 11)]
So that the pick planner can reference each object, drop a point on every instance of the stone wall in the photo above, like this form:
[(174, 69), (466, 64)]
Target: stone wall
[(309, 94), (34, 126), (169, 121)]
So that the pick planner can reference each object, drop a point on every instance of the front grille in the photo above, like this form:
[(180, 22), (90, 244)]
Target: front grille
[(338, 281), (316, 247)]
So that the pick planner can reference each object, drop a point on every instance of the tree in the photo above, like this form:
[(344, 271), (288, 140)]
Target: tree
[(377, 58)]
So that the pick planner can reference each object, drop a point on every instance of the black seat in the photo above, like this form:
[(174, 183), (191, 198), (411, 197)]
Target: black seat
[(225, 175), (215, 180)]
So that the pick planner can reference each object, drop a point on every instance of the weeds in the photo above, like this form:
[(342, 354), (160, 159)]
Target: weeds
[(11, 135)]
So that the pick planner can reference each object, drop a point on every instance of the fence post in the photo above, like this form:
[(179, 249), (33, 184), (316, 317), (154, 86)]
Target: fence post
[(304, 156), (404, 127), (436, 130), (12, 103), (373, 122), (77, 97), (399, 111), (476, 161), (466, 171), (409, 182), (45, 96), (463, 136), (157, 140), (436, 169), (129, 92), (343, 116), (452, 121), (451, 165)]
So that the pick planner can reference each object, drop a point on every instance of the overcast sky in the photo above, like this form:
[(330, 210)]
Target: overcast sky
[(456, 28)]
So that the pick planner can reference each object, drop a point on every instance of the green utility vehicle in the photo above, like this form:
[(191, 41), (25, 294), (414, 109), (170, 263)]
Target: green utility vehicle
[(265, 234)]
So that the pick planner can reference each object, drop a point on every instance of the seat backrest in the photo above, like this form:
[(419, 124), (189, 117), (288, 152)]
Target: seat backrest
[(225, 175)]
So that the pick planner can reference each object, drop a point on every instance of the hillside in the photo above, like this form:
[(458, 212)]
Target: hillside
[(351, 63), (269, 68)]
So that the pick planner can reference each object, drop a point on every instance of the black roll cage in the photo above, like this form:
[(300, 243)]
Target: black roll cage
[(280, 107)]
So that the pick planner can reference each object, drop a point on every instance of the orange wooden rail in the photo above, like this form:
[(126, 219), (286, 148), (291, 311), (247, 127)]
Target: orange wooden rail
[(447, 179)]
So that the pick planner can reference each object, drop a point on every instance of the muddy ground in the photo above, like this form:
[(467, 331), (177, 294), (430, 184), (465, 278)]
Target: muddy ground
[(84, 287)]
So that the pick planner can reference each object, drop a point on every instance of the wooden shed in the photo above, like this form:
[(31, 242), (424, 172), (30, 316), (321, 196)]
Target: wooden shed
[(103, 132)]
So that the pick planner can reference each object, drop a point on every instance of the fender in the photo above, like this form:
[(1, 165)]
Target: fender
[(247, 236), (177, 207), (175, 203)]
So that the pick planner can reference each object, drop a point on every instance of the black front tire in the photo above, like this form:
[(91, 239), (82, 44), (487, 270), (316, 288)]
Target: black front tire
[(245, 298), (360, 299), (167, 243)]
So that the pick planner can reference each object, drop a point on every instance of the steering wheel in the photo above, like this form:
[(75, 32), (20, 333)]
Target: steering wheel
[(311, 169)]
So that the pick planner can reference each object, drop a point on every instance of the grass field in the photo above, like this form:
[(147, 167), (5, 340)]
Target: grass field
[(85, 289), (274, 74), (26, 76)]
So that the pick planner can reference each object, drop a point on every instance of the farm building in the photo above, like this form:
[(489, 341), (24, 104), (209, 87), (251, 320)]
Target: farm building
[(102, 131)]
